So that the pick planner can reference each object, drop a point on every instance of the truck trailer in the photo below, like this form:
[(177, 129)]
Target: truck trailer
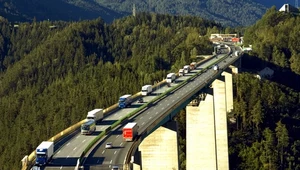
[(95, 114), (147, 89), (181, 72), (125, 100), (171, 77), (186, 69), (44, 153), (130, 131)]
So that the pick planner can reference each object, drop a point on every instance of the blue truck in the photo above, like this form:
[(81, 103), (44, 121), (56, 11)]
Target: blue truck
[(44, 153), (125, 100)]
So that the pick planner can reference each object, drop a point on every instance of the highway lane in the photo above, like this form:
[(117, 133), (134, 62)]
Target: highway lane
[(105, 158), (68, 154)]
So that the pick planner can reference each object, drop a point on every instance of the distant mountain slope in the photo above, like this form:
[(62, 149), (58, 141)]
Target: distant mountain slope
[(227, 12), (68, 10)]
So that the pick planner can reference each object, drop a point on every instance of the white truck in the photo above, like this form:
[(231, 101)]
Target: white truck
[(95, 114), (186, 69), (181, 72), (171, 77), (146, 89), (44, 153)]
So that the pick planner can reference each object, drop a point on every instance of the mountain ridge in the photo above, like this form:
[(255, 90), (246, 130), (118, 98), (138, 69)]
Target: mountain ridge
[(227, 12)]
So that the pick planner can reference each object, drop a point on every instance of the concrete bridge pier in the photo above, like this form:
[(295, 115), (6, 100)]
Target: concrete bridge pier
[(159, 150), (200, 135), (206, 127), (220, 112)]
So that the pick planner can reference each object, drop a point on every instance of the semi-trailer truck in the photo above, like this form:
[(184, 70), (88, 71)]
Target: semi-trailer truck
[(186, 69), (130, 131), (170, 77), (125, 100), (181, 72), (44, 153), (88, 127), (95, 114), (147, 89)]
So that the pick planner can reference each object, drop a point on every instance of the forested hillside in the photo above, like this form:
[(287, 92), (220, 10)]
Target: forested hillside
[(227, 12), (50, 78), (267, 114), (275, 40)]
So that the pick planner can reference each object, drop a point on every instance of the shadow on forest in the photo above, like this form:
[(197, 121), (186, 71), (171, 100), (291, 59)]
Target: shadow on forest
[(281, 75)]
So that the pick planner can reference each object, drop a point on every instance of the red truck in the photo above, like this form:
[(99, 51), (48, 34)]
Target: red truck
[(130, 131)]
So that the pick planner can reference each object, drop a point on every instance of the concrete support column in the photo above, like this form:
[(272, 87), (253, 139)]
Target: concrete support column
[(159, 150), (200, 136), (229, 91), (221, 124)]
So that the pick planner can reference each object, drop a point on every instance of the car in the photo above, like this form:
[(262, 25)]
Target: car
[(115, 168), (108, 145), (140, 100)]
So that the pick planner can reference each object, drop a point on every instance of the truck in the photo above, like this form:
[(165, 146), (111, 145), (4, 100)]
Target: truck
[(216, 67), (44, 153), (181, 72), (130, 131), (171, 77), (193, 65), (125, 100), (95, 114), (146, 89), (88, 127), (186, 69)]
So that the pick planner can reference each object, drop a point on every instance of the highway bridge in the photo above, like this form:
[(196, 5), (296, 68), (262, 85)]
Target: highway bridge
[(75, 150)]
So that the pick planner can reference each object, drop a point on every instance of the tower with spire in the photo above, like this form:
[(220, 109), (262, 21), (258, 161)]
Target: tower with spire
[(133, 10)]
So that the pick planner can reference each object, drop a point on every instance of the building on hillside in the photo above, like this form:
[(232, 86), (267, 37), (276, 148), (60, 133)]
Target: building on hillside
[(265, 73), (288, 8)]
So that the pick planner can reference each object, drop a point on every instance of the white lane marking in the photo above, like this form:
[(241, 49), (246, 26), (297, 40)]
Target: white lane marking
[(162, 108), (115, 152), (173, 100), (58, 151), (141, 117), (61, 167), (68, 156), (156, 113), (83, 141), (121, 144), (74, 148), (110, 161), (68, 144), (150, 117), (143, 123), (117, 136), (77, 137)]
